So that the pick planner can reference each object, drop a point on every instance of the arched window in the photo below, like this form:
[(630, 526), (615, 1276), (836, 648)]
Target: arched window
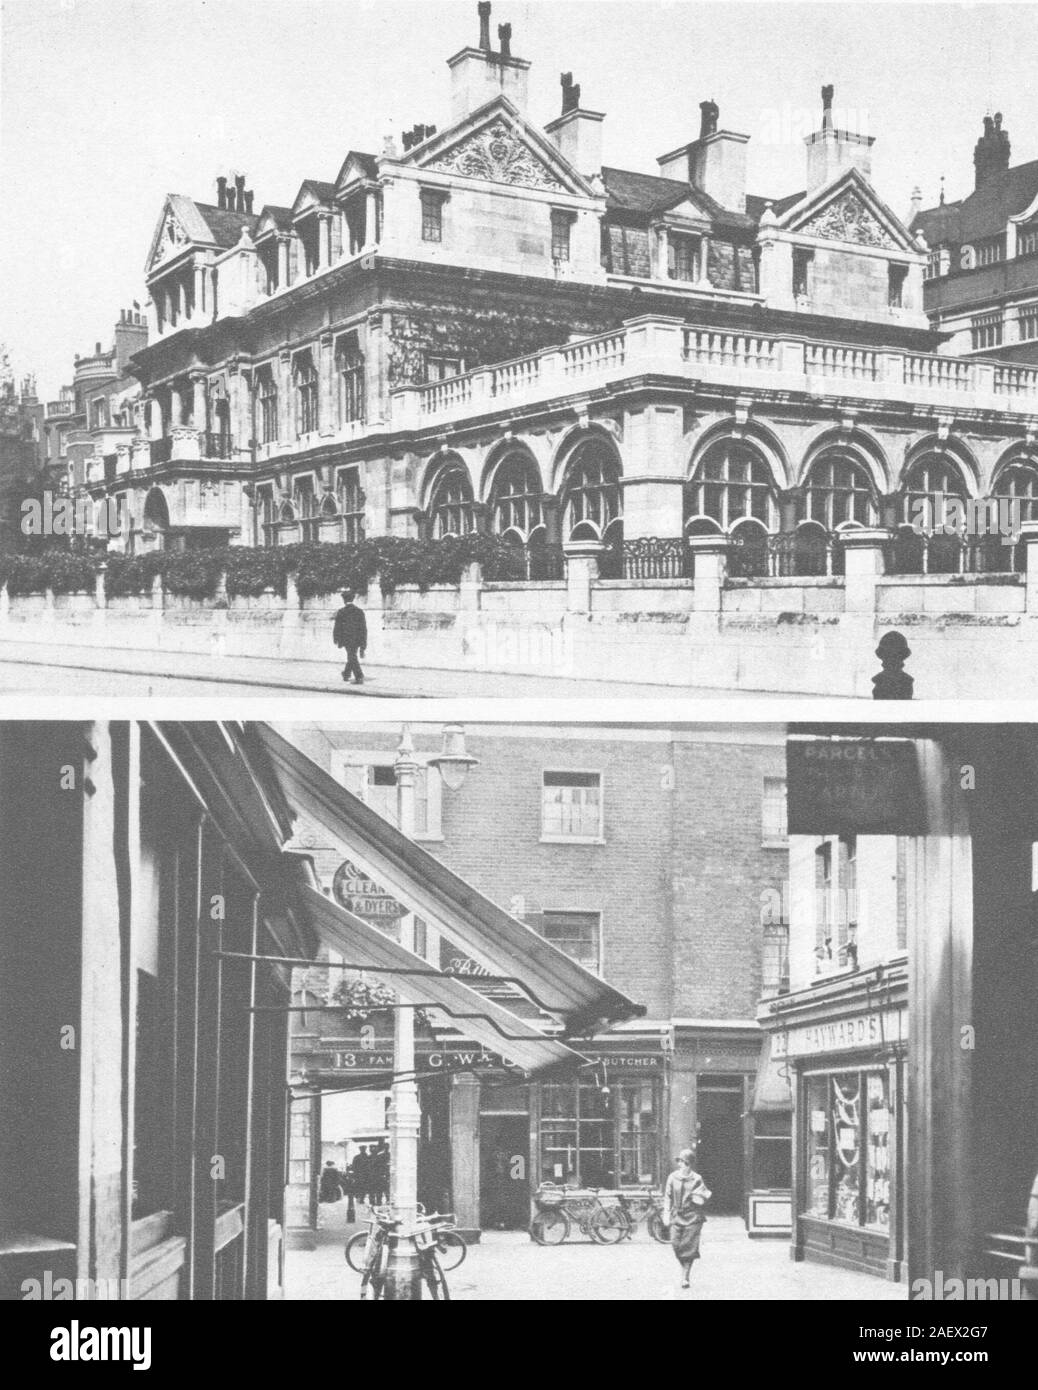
[(732, 481), (1017, 484), (450, 502), (305, 375), (349, 362), (839, 492), (591, 494), (922, 545), (749, 555), (267, 396), (516, 496)]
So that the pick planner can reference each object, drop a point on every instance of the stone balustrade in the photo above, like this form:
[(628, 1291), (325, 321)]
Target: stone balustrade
[(723, 358)]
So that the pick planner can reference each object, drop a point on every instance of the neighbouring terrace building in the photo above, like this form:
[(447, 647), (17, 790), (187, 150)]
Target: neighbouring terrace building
[(981, 284), (611, 844), (485, 328)]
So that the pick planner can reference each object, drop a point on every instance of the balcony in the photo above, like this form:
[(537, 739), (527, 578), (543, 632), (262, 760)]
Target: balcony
[(671, 348), (188, 445)]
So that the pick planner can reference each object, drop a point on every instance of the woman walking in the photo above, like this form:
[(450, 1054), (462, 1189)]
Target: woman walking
[(684, 1198)]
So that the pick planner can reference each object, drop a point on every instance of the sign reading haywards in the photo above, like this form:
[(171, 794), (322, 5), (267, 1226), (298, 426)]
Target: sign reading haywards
[(853, 786), (360, 895)]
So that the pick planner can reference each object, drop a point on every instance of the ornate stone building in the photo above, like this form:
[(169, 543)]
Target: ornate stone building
[(487, 329), (982, 274)]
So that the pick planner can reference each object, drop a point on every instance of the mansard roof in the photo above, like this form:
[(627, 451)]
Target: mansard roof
[(985, 211), (647, 195)]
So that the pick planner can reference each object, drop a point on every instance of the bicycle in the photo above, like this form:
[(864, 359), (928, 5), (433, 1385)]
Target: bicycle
[(559, 1208), (374, 1264), (644, 1206), (451, 1246)]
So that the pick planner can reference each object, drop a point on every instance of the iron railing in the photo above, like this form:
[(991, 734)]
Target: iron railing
[(657, 557)]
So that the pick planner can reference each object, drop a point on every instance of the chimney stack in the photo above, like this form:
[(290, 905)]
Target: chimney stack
[(239, 193), (830, 151), (715, 163), (577, 134), (221, 192), (479, 74), (248, 201), (991, 153)]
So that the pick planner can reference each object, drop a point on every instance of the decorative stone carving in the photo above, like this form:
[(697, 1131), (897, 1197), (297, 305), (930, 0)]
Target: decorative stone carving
[(172, 238), (497, 154), (848, 219)]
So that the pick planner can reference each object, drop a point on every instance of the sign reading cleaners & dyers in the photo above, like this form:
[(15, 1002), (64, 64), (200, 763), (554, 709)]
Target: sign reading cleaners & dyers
[(353, 890), (853, 786)]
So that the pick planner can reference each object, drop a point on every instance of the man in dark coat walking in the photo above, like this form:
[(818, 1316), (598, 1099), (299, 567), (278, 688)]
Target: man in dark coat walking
[(351, 632)]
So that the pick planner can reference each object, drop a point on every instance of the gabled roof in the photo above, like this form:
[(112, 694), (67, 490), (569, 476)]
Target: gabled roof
[(498, 144), (850, 199), (984, 212), (273, 219), (359, 165), (226, 227), (649, 195), (313, 193)]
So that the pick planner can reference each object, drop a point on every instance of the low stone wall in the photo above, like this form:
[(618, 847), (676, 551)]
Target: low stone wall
[(971, 636)]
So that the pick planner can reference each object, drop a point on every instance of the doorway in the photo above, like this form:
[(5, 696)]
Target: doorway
[(504, 1165), (719, 1150)]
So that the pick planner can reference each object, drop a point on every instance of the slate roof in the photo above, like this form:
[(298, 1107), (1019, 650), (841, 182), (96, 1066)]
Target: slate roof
[(648, 195), (281, 217), (226, 226), (324, 191), (755, 205), (984, 212)]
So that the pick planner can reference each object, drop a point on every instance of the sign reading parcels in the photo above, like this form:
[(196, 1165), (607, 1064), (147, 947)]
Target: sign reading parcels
[(853, 786)]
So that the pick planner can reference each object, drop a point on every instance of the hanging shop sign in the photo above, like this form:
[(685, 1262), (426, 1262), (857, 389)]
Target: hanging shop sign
[(854, 786), (357, 893)]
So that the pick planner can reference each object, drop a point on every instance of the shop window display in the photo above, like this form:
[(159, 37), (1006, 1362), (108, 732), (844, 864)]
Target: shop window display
[(848, 1148)]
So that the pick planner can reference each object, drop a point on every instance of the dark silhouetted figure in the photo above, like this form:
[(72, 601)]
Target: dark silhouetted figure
[(893, 682), (351, 633)]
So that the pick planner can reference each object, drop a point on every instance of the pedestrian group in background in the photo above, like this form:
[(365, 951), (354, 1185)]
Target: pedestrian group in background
[(366, 1179)]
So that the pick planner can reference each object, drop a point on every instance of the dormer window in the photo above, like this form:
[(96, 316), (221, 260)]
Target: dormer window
[(896, 276), (309, 241), (561, 225), (683, 253), (268, 255), (802, 260)]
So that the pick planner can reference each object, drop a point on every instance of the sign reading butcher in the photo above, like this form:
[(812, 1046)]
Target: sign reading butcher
[(854, 786), (362, 896)]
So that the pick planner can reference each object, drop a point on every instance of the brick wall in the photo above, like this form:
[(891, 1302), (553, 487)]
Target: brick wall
[(678, 881)]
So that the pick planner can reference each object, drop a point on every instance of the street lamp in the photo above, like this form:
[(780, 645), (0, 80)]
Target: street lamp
[(403, 1277), (453, 762)]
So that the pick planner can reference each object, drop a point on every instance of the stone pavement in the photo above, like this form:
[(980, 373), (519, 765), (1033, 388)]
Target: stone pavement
[(55, 670), (507, 1265)]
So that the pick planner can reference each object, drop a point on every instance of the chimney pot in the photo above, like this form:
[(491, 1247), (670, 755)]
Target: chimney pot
[(504, 34), (248, 201), (709, 113), (483, 10), (221, 192)]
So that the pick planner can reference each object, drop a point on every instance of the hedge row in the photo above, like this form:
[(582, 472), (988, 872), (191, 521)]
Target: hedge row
[(319, 568)]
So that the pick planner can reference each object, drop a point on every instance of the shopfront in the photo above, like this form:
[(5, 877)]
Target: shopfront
[(847, 1055)]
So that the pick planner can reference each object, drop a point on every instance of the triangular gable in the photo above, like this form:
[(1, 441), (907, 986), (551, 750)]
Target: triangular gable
[(309, 196), (180, 226), (848, 209), (686, 208), (355, 168), (267, 225), (497, 145)]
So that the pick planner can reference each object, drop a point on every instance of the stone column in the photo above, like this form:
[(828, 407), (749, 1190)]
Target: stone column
[(327, 420), (864, 562), (201, 275), (710, 554), (582, 560), (371, 227), (199, 407), (324, 240), (286, 405), (176, 406), (283, 262)]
